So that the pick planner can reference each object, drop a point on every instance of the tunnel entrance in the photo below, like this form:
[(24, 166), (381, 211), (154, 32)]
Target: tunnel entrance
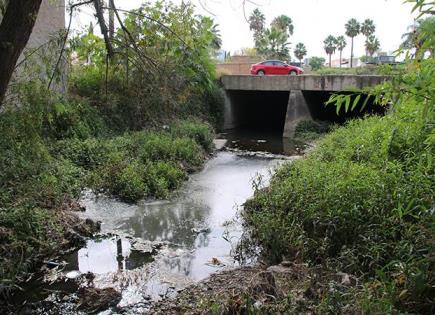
[(259, 111), (279, 112)]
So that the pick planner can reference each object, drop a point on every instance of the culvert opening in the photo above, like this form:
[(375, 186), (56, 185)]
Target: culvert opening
[(259, 111)]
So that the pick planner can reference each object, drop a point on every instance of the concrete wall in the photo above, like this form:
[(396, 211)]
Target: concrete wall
[(50, 21), (303, 82), (233, 68), (260, 98), (43, 48)]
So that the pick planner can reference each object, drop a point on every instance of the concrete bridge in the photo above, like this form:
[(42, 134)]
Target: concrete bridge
[(280, 102)]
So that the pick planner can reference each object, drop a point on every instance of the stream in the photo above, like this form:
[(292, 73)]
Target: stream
[(150, 250)]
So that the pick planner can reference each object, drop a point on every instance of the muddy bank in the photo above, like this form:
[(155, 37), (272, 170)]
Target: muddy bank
[(280, 289)]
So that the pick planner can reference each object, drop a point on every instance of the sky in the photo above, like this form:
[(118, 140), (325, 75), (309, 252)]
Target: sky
[(313, 20)]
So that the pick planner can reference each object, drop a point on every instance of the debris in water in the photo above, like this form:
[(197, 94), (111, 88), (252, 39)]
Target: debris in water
[(73, 274)]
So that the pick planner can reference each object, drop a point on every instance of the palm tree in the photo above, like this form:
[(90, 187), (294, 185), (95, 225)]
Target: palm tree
[(368, 28), (352, 30), (330, 45), (372, 45), (300, 51), (341, 43), (284, 23), (257, 22), (274, 44), (216, 42)]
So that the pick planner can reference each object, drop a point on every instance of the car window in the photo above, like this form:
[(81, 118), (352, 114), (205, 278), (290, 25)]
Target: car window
[(268, 63), (278, 63)]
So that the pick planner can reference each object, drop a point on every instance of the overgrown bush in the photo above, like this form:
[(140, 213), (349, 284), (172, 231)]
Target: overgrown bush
[(53, 147), (361, 203)]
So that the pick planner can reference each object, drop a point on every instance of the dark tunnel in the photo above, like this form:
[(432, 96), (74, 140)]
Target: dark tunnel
[(265, 111), (260, 111)]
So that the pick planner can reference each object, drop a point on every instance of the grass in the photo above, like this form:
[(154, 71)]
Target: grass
[(360, 203)]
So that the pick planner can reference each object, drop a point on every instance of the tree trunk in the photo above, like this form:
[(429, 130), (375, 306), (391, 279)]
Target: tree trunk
[(340, 57), (330, 65), (111, 20), (103, 27), (15, 30), (351, 52)]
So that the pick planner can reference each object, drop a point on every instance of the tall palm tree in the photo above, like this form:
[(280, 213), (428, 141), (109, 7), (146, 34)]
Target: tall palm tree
[(352, 30), (372, 45), (257, 22), (341, 43), (216, 42), (300, 51), (274, 44), (284, 23), (330, 45), (368, 28)]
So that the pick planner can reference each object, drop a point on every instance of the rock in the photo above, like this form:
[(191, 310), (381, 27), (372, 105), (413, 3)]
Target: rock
[(94, 226), (92, 300), (75, 239)]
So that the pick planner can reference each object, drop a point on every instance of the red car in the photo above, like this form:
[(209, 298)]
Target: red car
[(275, 67)]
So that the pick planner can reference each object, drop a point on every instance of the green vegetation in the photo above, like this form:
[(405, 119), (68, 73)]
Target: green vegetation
[(132, 128), (309, 130), (52, 148), (272, 42), (362, 203), (316, 63)]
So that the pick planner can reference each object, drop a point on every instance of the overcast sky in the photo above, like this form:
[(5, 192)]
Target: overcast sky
[(313, 20)]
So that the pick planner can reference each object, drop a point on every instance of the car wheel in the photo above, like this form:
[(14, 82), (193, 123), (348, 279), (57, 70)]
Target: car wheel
[(293, 73), (260, 72)]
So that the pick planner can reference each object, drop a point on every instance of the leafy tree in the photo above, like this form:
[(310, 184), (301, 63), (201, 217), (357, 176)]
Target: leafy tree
[(352, 30), (216, 42), (257, 22), (372, 45), (341, 44), (90, 48), (330, 45), (283, 23), (316, 63), (300, 51)]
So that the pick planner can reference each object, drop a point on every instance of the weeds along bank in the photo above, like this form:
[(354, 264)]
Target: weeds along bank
[(53, 146), (133, 127), (362, 203)]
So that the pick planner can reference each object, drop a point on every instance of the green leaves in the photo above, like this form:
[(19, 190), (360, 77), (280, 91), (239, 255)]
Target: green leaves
[(340, 100)]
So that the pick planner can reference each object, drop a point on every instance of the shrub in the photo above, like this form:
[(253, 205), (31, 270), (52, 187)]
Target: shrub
[(198, 131), (360, 203), (129, 183)]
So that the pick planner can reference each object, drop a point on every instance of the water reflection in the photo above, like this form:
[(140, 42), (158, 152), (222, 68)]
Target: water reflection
[(271, 142), (193, 221), (106, 255)]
